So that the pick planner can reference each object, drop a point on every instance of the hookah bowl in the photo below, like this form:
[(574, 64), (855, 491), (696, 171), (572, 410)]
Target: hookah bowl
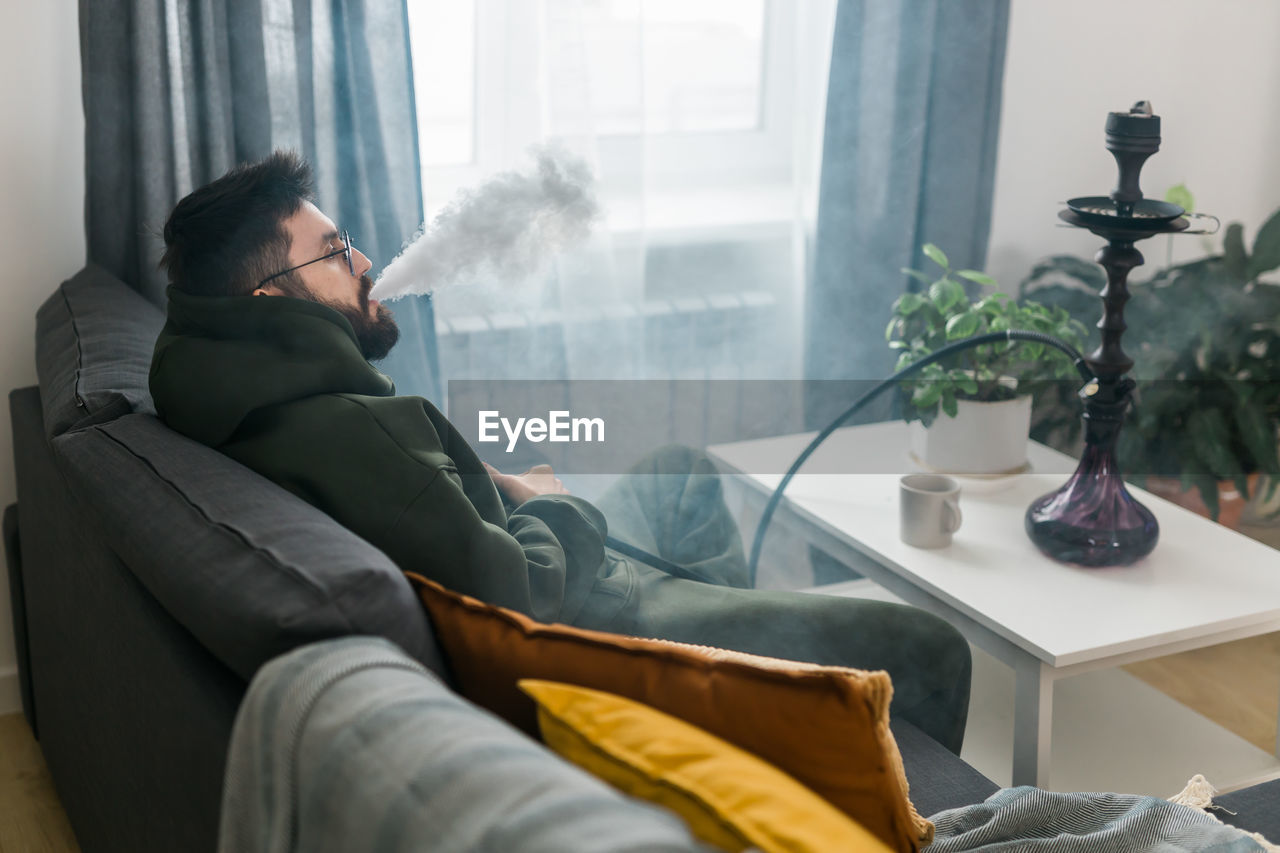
[(1092, 520)]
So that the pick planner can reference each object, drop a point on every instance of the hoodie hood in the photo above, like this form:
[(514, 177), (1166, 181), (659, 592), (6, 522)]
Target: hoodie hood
[(218, 359)]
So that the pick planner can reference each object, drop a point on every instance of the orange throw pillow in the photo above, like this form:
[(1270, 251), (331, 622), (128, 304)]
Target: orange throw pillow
[(826, 726)]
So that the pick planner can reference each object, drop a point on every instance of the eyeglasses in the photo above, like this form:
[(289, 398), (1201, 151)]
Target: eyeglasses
[(345, 251)]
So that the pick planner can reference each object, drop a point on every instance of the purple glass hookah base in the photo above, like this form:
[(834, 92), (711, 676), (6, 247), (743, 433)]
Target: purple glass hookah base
[(1092, 520)]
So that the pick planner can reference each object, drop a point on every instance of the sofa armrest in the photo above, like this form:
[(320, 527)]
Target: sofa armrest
[(353, 745)]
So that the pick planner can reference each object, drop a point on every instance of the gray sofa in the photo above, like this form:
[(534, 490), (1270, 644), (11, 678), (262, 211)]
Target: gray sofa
[(152, 578)]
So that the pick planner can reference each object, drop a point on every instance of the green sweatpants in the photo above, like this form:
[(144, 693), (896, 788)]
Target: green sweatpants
[(672, 505)]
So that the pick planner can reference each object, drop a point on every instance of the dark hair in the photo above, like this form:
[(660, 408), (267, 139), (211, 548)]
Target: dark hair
[(225, 237)]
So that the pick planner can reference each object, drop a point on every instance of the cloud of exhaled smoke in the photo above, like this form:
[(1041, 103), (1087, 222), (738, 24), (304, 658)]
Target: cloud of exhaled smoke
[(504, 230)]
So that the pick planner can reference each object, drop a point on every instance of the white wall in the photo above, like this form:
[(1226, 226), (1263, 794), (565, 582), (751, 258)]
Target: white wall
[(1210, 69), (41, 213)]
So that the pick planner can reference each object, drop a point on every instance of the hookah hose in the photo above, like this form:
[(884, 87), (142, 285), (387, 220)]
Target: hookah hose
[(673, 569), (977, 340)]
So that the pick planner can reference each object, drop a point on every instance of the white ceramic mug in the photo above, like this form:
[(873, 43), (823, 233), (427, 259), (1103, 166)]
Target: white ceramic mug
[(929, 506)]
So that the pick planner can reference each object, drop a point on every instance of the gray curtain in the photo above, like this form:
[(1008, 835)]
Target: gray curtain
[(176, 92), (913, 111)]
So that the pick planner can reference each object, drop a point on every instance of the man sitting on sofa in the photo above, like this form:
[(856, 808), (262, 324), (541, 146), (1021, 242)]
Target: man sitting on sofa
[(265, 357)]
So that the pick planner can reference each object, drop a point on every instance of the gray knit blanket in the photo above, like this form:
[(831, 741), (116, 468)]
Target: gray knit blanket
[(350, 746), (1036, 821)]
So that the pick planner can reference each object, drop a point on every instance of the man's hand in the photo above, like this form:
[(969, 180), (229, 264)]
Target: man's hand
[(538, 480)]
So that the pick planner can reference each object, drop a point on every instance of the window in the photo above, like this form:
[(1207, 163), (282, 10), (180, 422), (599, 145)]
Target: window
[(693, 93), (702, 122), (700, 66)]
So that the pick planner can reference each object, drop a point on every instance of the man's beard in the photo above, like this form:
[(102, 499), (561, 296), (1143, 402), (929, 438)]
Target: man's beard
[(377, 335)]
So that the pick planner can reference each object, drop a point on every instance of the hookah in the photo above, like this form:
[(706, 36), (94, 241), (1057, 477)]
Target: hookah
[(1092, 520)]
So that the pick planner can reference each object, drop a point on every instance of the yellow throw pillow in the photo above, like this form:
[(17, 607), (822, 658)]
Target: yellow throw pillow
[(728, 797), (826, 726)]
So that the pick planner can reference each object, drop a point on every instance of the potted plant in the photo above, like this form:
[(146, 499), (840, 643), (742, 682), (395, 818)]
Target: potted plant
[(1205, 339), (986, 391)]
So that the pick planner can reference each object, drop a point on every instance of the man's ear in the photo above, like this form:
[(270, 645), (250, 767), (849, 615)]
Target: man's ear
[(266, 291)]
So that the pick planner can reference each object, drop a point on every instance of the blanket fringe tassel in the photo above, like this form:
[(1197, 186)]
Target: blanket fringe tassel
[(1199, 795)]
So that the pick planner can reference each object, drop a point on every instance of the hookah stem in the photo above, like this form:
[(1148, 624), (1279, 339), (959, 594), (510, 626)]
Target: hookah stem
[(959, 346)]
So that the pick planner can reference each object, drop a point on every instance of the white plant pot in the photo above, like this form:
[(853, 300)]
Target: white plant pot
[(983, 438)]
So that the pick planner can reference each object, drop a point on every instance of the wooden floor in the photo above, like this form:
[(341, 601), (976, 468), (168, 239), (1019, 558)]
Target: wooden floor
[(1237, 685), (31, 818)]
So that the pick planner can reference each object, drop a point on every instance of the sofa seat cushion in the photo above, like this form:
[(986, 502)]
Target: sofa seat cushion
[(94, 338), (939, 778), (248, 568), (1253, 809)]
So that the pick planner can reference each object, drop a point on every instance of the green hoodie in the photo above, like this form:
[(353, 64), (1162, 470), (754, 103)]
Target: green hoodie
[(279, 384)]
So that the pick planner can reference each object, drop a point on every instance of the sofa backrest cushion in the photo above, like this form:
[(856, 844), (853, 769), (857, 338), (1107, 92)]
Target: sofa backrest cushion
[(251, 570), (94, 338)]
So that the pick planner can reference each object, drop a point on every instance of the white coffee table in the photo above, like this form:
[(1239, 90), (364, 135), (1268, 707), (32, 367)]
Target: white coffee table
[(1204, 584)]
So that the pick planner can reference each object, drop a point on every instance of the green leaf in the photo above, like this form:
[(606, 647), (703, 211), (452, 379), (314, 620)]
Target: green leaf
[(1258, 434), (918, 276), (936, 255), (979, 277), (963, 325), (934, 373), (1181, 196), (967, 384), (1233, 252), (888, 330), (926, 394), (1208, 430), (945, 293), (949, 403), (1208, 489), (1266, 248), (909, 303)]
